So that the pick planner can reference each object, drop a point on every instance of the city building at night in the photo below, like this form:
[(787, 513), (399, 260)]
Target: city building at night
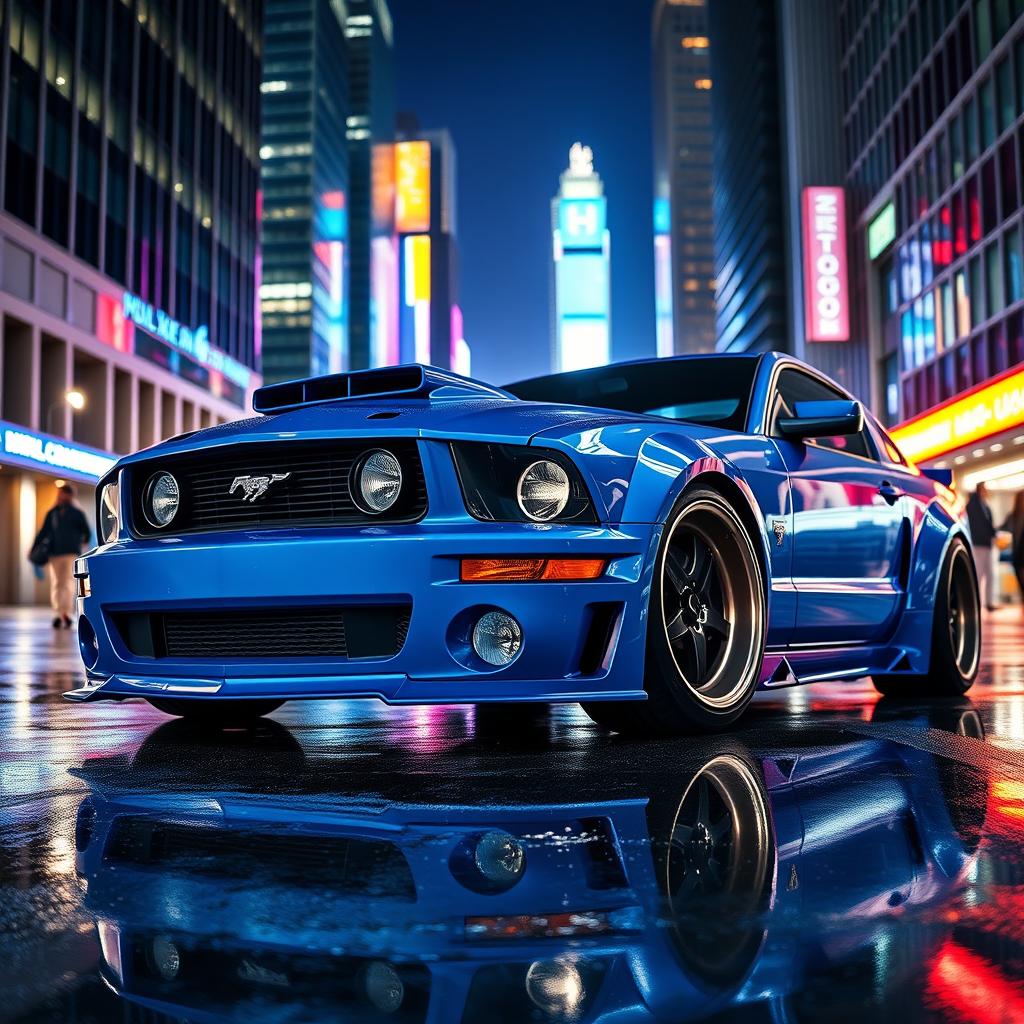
[(430, 328), (581, 258), (129, 178), (305, 179), (934, 126), (780, 256), (683, 236), (370, 129)]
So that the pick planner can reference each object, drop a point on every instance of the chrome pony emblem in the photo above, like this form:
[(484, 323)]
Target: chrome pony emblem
[(254, 487), (779, 526)]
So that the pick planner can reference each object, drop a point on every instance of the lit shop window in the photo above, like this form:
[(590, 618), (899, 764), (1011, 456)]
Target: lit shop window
[(702, 83), (963, 306), (695, 42)]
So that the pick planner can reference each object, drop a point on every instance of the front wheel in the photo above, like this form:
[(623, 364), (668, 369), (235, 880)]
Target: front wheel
[(706, 625), (215, 712), (956, 635)]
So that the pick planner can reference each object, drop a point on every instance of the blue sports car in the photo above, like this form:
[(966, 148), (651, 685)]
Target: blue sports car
[(654, 539)]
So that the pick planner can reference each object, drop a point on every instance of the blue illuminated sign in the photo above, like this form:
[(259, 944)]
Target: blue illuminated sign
[(20, 446), (581, 222), (662, 216), (193, 342)]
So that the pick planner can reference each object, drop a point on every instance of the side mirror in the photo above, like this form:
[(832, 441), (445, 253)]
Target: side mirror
[(940, 476), (823, 419)]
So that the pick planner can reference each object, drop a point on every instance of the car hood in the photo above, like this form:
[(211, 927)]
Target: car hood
[(503, 420)]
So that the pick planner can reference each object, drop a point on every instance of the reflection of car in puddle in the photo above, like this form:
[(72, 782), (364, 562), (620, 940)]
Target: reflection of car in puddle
[(728, 883)]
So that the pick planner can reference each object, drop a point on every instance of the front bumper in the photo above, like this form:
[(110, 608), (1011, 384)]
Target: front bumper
[(417, 564)]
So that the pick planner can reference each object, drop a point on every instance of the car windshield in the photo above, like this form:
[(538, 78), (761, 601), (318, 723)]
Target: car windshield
[(714, 390)]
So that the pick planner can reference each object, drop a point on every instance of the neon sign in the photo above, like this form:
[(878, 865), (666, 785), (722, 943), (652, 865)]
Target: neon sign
[(975, 416), (24, 447), (194, 342), (826, 303)]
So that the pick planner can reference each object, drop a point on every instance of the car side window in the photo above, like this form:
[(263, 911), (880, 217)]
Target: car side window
[(793, 386)]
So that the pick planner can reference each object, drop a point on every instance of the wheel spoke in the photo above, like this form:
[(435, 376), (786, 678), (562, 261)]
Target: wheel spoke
[(716, 622), (676, 627), (703, 563), (697, 656), (675, 571), (703, 802)]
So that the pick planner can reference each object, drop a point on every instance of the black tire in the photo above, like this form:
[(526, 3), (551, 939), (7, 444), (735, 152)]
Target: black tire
[(215, 712), (714, 859), (956, 635), (706, 625)]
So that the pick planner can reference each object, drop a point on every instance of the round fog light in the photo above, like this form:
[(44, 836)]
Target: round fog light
[(88, 645), (500, 858), (497, 638), (166, 957), (384, 988), (555, 987)]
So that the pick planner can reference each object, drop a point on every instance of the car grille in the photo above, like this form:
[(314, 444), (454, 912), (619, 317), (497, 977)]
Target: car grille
[(375, 631), (315, 492), (370, 867)]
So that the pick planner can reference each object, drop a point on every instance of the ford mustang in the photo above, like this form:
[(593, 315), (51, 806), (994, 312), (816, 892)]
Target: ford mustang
[(655, 540)]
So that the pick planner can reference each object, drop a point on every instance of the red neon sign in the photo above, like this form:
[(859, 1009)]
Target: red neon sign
[(826, 293)]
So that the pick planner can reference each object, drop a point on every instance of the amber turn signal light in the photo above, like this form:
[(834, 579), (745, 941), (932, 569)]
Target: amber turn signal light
[(498, 570)]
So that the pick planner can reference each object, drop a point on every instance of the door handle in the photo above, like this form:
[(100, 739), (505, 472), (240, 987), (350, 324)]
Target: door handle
[(890, 492)]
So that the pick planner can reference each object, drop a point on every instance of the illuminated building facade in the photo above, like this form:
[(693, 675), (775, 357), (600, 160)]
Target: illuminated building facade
[(581, 268), (934, 126), (370, 128), (129, 179), (781, 263), (683, 235), (305, 175), (430, 319)]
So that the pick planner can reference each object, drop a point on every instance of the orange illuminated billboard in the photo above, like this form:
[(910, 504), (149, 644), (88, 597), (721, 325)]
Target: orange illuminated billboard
[(412, 187), (982, 413)]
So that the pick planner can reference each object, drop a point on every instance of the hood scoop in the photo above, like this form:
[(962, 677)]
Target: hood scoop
[(410, 381)]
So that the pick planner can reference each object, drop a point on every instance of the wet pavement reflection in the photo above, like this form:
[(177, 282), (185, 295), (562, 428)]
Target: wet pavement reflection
[(837, 857)]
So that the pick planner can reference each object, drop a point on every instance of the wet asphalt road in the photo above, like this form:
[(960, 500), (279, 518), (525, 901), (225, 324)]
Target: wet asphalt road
[(836, 858)]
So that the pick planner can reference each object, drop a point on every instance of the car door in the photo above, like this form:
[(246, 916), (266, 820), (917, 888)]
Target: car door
[(849, 520)]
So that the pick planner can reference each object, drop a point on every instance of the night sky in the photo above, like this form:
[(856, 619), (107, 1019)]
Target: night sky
[(516, 83)]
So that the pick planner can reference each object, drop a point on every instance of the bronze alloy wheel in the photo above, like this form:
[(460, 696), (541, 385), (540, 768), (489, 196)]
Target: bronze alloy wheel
[(709, 601), (956, 635), (718, 861), (963, 614)]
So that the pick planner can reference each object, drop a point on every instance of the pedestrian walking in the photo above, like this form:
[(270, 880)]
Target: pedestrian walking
[(65, 531), (1014, 525), (983, 535)]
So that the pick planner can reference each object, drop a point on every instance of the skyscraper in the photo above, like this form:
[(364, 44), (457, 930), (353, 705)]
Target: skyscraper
[(778, 176), (129, 234), (430, 319), (373, 252), (581, 280), (683, 236), (934, 125), (305, 189)]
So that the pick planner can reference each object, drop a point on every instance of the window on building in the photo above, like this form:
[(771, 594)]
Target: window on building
[(1012, 264), (988, 113), (963, 306), (977, 292), (993, 280), (982, 31), (1006, 99)]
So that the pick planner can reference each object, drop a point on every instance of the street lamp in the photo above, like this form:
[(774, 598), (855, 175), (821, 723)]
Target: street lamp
[(73, 397)]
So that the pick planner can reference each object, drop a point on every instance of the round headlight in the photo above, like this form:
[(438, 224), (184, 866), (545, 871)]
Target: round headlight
[(162, 499), (380, 481), (109, 522), (543, 490), (497, 638), (166, 957)]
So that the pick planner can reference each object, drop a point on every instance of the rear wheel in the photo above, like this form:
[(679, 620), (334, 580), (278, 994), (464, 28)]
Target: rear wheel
[(956, 635), (706, 625), (215, 712)]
